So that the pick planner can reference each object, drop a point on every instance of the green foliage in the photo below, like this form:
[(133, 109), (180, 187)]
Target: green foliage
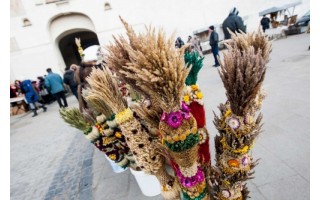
[(193, 59)]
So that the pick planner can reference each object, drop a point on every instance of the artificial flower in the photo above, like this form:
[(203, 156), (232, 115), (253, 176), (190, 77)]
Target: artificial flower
[(226, 193), (118, 135), (105, 141), (233, 163), (228, 113), (186, 98), (112, 156), (233, 123), (124, 116), (199, 95), (174, 119), (194, 87), (245, 160)]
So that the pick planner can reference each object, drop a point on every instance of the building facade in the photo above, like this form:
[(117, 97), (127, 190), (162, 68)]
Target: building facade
[(43, 32)]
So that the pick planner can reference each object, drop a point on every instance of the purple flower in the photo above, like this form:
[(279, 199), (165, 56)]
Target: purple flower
[(184, 107), (245, 161), (174, 119), (185, 115)]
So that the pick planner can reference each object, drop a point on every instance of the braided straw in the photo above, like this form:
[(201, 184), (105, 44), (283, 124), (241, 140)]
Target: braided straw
[(170, 187), (186, 158)]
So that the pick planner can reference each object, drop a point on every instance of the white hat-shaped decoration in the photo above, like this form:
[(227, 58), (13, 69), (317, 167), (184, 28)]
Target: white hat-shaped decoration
[(92, 53)]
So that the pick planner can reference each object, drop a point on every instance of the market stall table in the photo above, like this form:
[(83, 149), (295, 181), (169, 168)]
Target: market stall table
[(18, 105)]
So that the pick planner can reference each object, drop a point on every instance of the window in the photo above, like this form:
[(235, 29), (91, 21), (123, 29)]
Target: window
[(26, 22), (107, 6)]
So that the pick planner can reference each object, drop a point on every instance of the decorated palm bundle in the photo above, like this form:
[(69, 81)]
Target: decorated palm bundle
[(103, 133), (242, 73), (157, 69), (193, 97), (102, 86)]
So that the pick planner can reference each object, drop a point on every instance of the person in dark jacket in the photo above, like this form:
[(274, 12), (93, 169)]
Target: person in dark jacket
[(31, 97), (214, 39), (234, 23), (265, 23), (179, 42), (68, 78)]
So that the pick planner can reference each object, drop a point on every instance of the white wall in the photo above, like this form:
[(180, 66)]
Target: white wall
[(38, 51)]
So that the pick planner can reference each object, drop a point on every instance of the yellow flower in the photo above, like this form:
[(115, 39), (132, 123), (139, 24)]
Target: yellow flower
[(118, 135), (105, 141), (182, 137), (124, 116), (228, 113), (199, 95), (186, 98), (243, 150), (112, 157), (194, 87)]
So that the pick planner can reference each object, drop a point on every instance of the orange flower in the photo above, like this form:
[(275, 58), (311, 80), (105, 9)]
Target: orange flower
[(233, 163)]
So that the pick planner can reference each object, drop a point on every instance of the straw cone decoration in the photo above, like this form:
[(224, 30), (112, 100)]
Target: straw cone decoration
[(157, 69), (242, 73), (139, 141)]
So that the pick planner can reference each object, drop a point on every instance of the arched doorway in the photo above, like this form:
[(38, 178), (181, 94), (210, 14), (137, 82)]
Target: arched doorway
[(64, 28), (69, 49)]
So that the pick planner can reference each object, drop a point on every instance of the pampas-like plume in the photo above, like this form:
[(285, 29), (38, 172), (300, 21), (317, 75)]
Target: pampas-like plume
[(104, 88), (152, 63), (243, 69)]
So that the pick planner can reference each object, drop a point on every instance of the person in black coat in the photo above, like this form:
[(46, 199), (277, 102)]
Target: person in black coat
[(179, 42), (234, 23), (265, 23), (214, 39), (68, 78)]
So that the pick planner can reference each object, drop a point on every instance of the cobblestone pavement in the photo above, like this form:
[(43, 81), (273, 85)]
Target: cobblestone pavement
[(50, 160)]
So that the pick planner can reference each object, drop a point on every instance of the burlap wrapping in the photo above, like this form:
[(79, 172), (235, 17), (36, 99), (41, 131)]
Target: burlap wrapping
[(186, 158)]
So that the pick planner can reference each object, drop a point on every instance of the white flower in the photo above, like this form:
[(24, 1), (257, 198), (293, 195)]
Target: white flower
[(233, 123), (101, 118), (226, 193)]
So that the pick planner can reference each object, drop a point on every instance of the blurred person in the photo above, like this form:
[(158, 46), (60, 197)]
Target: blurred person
[(265, 23), (68, 79), (214, 39), (31, 97), (234, 23), (54, 83), (17, 84), (43, 92), (196, 44), (179, 42), (13, 91)]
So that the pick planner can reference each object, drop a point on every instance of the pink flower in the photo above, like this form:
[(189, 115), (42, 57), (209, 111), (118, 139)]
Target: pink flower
[(174, 119)]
